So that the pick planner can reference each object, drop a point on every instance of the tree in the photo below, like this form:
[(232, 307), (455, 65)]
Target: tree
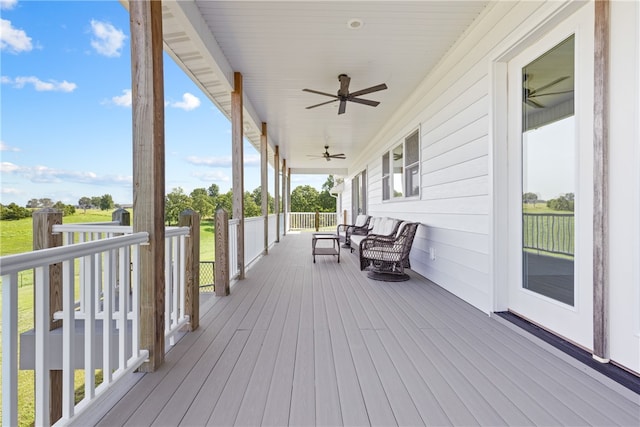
[(530, 198), (250, 206), (201, 202), (95, 201), (66, 209), (563, 203), (225, 201), (84, 203), (33, 204), (213, 190), (45, 202), (13, 212), (175, 202), (257, 198), (304, 198), (106, 202), (325, 199)]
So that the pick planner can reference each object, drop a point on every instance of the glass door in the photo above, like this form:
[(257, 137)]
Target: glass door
[(550, 181), (548, 173)]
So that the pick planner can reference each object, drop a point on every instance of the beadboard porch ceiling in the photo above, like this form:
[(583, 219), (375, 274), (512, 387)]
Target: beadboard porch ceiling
[(283, 47)]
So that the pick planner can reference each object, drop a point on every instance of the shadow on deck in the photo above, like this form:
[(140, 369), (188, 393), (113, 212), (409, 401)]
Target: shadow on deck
[(299, 343)]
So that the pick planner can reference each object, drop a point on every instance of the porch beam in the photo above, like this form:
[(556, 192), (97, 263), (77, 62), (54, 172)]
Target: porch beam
[(601, 184), (237, 159), (264, 183), (149, 170), (276, 197), (288, 195), (284, 196)]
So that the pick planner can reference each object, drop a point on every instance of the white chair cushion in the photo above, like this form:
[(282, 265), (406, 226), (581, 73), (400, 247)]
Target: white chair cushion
[(360, 220)]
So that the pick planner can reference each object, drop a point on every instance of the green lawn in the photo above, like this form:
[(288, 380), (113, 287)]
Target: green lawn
[(16, 237)]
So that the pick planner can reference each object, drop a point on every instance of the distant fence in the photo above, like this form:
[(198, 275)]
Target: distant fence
[(549, 232), (307, 220), (207, 275)]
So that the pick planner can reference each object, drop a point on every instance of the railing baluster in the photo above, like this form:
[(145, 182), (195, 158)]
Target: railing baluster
[(42, 384), (107, 310), (68, 338), (10, 349), (135, 299), (89, 326)]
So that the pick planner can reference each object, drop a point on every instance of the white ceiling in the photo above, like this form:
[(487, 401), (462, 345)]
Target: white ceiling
[(283, 47)]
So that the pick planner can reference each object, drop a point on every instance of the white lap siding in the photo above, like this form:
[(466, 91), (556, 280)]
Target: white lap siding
[(452, 108)]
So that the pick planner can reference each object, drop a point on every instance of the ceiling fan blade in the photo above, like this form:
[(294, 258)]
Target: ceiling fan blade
[(344, 84), (533, 103), (551, 93), (343, 106), (369, 90), (320, 93), (337, 157), (364, 101), (316, 156), (548, 85), (322, 103)]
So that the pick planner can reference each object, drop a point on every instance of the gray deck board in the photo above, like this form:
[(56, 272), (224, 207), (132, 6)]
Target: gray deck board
[(307, 344)]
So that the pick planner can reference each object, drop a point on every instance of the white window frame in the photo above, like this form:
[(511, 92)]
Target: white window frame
[(387, 180)]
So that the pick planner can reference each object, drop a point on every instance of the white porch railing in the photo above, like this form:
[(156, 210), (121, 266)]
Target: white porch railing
[(100, 285), (307, 220), (234, 271), (115, 310)]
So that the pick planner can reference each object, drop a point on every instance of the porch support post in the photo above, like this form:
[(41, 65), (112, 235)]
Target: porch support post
[(148, 170), (264, 183), (288, 194), (221, 278), (284, 196), (237, 155), (601, 184), (43, 238), (191, 219), (276, 197)]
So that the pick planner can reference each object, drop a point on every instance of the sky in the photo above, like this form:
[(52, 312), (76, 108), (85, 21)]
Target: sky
[(65, 110)]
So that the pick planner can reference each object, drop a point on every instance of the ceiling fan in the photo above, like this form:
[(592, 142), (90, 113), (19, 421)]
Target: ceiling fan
[(528, 94), (328, 156), (343, 94)]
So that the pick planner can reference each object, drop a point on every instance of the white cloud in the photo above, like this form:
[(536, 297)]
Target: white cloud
[(108, 40), (45, 174), (123, 100), (213, 176), (8, 4), (5, 147), (40, 85), (189, 102), (13, 39), (8, 190), (221, 161)]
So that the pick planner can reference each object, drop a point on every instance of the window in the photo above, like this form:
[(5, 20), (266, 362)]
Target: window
[(401, 169), (385, 177), (412, 165)]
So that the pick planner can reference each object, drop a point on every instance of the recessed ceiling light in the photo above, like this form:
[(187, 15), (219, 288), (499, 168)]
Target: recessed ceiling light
[(355, 24)]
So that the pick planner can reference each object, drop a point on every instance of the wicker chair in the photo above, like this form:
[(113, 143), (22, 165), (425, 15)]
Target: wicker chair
[(360, 227), (387, 257)]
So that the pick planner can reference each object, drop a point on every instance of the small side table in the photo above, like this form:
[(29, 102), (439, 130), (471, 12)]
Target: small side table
[(333, 250)]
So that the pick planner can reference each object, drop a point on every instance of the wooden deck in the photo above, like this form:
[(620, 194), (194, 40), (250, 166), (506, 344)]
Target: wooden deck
[(299, 343)]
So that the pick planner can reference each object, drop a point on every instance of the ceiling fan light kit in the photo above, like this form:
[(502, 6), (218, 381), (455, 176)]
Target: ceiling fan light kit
[(344, 95)]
